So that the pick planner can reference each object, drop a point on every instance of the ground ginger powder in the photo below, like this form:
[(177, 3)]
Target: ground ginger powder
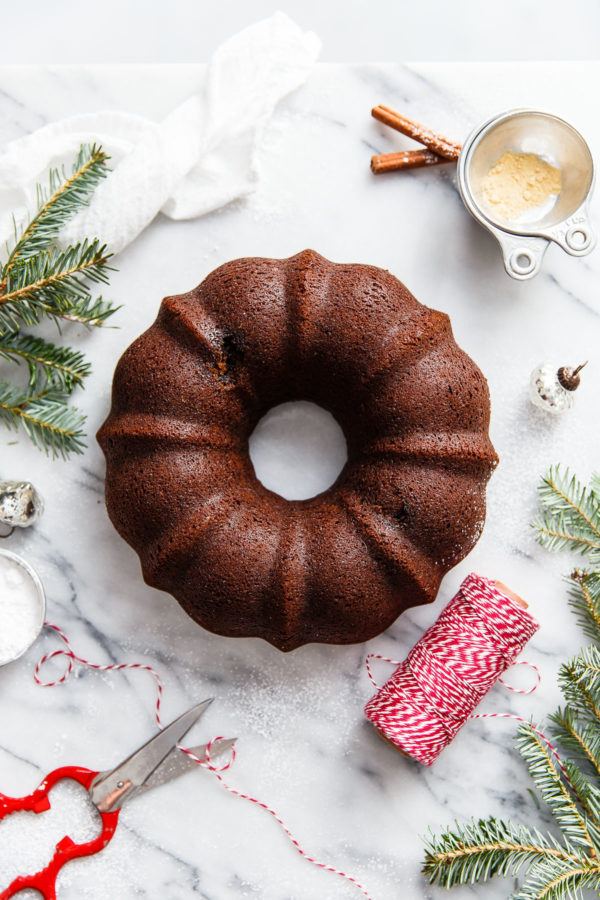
[(519, 182)]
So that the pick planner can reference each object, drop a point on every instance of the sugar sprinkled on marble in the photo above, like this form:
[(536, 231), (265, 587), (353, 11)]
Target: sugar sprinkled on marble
[(20, 609)]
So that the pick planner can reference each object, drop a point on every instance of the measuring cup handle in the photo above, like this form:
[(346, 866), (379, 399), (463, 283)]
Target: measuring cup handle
[(522, 255), (576, 236)]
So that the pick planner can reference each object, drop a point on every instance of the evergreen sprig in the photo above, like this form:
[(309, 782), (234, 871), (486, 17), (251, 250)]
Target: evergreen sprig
[(570, 517), (63, 367), (38, 281), (53, 283), (43, 411), (550, 868), (477, 850), (64, 196)]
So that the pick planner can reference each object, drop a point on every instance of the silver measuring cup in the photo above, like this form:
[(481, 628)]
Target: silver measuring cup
[(567, 223)]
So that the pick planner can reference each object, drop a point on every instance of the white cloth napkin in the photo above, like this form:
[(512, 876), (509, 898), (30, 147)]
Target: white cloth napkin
[(202, 156)]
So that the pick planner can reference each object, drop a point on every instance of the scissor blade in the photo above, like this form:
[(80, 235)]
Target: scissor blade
[(136, 769), (178, 763)]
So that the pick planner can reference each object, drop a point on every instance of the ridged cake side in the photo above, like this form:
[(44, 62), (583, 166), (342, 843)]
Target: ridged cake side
[(181, 489)]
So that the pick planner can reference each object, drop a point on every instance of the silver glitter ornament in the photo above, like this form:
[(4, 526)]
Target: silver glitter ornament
[(553, 390), (20, 504)]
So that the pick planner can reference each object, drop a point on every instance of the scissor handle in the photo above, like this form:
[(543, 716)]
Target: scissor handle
[(66, 849)]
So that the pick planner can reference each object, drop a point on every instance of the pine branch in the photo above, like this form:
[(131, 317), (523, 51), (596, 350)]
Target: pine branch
[(573, 824), (579, 683), (564, 492), (557, 880), (52, 425), (63, 367), (54, 283), (478, 850), (586, 668), (56, 205), (584, 600), (41, 281), (587, 796), (555, 536), (90, 312), (571, 515), (581, 741)]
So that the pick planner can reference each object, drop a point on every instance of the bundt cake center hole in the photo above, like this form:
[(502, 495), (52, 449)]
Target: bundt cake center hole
[(298, 450)]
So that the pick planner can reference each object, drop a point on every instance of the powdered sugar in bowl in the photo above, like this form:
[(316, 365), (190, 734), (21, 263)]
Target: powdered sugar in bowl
[(22, 606)]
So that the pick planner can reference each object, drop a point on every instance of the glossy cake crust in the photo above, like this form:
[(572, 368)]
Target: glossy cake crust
[(181, 489)]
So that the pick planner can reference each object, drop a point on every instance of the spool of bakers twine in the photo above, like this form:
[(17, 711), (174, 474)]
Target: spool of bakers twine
[(434, 691), (69, 654)]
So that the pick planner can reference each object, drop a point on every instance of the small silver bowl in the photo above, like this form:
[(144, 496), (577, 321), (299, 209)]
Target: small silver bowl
[(41, 598), (567, 223)]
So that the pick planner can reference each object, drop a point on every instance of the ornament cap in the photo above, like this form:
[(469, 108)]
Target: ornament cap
[(569, 377)]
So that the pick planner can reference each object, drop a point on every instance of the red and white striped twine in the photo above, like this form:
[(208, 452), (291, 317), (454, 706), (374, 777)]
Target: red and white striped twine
[(434, 691), (71, 657), (69, 654)]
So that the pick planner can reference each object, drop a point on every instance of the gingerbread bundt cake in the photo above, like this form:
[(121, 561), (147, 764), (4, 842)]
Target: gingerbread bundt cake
[(181, 488)]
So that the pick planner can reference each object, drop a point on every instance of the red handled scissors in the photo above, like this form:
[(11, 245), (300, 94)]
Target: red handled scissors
[(159, 760)]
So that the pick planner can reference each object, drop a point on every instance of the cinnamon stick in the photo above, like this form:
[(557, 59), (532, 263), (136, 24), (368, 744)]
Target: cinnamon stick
[(434, 142), (406, 159)]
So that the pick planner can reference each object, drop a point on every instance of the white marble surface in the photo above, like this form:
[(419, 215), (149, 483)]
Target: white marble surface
[(303, 744)]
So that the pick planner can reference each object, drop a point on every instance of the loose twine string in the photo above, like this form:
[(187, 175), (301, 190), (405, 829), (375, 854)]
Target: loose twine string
[(433, 692), (69, 654), (428, 698)]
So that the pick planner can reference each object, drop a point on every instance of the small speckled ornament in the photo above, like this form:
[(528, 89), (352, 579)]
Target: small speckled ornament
[(20, 504), (553, 390)]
